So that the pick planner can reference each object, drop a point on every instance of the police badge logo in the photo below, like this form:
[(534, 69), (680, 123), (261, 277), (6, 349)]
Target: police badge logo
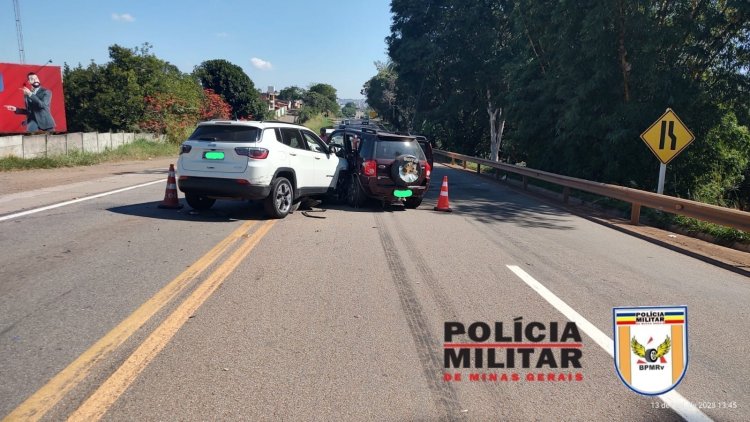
[(651, 347)]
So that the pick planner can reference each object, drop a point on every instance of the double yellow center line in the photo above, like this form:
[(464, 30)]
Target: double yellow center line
[(39, 403)]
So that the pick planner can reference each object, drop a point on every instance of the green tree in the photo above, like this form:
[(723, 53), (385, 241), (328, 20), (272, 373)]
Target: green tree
[(380, 91), (586, 79), (577, 83), (324, 90), (448, 62), (291, 93), (114, 96), (82, 112), (349, 110), (319, 98), (323, 97), (232, 83)]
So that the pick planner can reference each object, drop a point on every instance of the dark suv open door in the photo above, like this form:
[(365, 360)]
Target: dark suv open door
[(426, 147)]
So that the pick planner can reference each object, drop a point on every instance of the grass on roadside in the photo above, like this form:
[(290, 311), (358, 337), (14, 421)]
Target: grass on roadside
[(318, 122), (723, 235), (137, 150)]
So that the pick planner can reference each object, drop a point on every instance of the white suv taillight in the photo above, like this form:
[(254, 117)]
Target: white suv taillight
[(256, 153)]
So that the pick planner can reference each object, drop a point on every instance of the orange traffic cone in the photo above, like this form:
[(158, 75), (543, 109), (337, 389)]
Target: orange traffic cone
[(442, 204), (170, 196)]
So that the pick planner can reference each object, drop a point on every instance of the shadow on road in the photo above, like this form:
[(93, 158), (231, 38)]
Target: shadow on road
[(489, 201), (470, 196), (222, 211), (147, 171)]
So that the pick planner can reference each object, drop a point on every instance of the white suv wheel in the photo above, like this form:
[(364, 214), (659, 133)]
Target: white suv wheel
[(279, 201)]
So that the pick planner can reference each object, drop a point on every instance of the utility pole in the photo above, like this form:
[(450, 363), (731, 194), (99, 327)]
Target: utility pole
[(19, 31)]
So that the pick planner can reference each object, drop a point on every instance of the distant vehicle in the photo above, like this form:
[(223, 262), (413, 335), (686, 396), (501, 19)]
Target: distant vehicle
[(278, 163), (353, 124)]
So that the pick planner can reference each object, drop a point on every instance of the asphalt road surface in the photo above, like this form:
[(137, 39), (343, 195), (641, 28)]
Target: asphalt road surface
[(112, 308)]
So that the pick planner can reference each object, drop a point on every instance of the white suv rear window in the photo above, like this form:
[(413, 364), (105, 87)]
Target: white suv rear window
[(217, 133)]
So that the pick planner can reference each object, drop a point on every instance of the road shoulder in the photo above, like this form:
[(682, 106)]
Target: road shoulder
[(28, 189), (728, 258)]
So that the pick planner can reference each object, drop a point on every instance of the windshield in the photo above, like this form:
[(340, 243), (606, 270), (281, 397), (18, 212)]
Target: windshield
[(225, 133), (392, 149)]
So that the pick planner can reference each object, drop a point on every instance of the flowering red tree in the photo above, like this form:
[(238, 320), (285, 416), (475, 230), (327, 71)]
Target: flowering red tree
[(214, 107), (168, 114)]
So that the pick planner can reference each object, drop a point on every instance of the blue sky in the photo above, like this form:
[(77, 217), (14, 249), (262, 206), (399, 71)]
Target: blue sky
[(279, 43)]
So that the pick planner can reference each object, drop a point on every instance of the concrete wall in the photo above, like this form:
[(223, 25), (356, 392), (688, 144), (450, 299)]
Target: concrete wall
[(32, 146), (105, 141), (35, 146), (118, 139), (56, 145), (89, 142), (11, 146), (74, 142)]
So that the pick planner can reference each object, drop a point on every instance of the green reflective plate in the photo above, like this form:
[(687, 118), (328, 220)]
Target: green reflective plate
[(213, 155), (398, 193)]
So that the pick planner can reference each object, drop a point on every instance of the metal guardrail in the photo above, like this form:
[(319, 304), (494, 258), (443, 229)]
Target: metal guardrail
[(729, 217)]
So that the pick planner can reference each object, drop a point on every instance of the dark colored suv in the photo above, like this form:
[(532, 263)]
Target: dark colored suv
[(385, 166)]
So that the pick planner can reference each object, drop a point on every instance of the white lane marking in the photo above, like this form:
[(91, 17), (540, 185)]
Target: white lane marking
[(673, 399), (73, 201)]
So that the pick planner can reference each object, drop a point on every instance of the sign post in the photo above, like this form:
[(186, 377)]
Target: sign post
[(662, 175), (666, 138)]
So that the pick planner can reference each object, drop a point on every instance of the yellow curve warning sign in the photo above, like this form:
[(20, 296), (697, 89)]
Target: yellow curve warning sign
[(667, 136)]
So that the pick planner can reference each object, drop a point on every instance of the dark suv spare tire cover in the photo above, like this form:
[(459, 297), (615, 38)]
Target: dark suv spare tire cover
[(406, 171)]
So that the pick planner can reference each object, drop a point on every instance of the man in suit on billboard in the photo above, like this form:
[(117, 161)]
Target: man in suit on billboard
[(37, 111)]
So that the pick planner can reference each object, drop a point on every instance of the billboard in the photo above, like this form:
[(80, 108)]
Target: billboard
[(44, 110)]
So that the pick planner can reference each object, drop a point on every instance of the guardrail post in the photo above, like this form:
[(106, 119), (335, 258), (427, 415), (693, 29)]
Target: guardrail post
[(464, 164), (479, 168), (525, 182), (497, 174), (635, 213), (453, 161), (566, 194)]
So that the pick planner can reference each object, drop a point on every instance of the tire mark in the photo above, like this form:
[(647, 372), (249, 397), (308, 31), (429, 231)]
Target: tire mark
[(443, 394), (447, 309)]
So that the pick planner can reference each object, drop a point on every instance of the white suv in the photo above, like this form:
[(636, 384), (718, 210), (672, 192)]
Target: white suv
[(277, 162)]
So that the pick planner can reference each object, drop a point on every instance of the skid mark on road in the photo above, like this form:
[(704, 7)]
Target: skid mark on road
[(447, 310), (443, 393)]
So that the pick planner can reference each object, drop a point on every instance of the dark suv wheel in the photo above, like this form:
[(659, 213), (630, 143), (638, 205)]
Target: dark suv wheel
[(355, 197), (279, 202), (199, 202)]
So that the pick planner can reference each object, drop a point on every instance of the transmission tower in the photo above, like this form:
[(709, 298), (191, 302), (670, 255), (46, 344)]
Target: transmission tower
[(19, 31)]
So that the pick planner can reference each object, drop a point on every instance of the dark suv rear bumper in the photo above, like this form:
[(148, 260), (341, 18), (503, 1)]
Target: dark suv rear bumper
[(222, 188), (384, 191)]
